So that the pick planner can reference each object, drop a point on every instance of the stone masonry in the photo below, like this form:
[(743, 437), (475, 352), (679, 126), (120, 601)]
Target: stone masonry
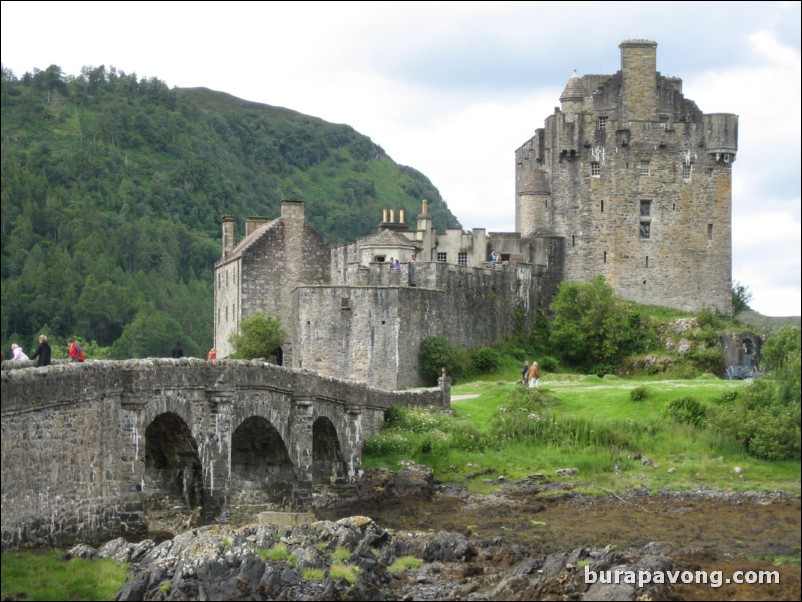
[(102, 448)]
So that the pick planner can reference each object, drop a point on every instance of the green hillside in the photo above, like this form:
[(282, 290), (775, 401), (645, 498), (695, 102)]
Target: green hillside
[(113, 189)]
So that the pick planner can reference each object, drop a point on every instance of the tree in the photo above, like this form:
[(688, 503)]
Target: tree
[(152, 333), (592, 327), (258, 336), (741, 296)]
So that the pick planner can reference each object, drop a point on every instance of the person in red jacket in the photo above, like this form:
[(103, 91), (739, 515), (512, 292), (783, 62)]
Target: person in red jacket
[(76, 352), (212, 355)]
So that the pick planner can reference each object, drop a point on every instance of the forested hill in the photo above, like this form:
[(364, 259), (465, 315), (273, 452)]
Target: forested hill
[(112, 194)]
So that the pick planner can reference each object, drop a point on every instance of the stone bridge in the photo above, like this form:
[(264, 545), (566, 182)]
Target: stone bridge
[(94, 450)]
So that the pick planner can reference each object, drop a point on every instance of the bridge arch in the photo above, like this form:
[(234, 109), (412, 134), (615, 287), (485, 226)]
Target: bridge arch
[(328, 464), (173, 475), (262, 473)]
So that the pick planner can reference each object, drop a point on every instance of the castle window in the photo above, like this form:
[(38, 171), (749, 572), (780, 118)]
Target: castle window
[(602, 206), (644, 168), (645, 219), (686, 172), (595, 169), (709, 231), (647, 261), (605, 257), (442, 257), (573, 240), (462, 258), (602, 123)]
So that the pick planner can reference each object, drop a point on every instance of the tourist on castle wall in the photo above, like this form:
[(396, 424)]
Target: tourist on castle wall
[(534, 375), (19, 354), (42, 353), (76, 351), (212, 355), (178, 351), (397, 265), (525, 372)]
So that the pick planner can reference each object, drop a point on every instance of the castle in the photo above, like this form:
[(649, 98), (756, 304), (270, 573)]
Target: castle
[(628, 180)]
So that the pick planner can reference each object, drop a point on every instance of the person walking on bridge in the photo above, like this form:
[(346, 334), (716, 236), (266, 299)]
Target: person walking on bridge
[(42, 353)]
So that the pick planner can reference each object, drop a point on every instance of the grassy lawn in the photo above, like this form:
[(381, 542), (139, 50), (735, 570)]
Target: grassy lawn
[(615, 443)]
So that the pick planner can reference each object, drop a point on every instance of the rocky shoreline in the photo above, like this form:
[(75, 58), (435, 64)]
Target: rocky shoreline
[(523, 546)]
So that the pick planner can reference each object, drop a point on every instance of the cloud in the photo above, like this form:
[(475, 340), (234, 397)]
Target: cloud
[(452, 89)]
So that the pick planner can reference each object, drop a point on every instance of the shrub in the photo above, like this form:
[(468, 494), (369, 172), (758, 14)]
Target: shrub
[(686, 410), (485, 359), (548, 363), (437, 353), (639, 393), (602, 368), (762, 420)]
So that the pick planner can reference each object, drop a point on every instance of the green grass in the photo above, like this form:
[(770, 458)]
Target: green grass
[(278, 552), (404, 563), (340, 571), (593, 425), (35, 575), (313, 575)]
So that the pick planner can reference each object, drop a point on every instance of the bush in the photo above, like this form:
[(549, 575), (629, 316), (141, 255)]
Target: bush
[(602, 368), (485, 359), (437, 353), (687, 410), (762, 420), (639, 393), (548, 363)]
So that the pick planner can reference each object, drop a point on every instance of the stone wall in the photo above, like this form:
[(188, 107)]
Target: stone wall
[(89, 449), (373, 333)]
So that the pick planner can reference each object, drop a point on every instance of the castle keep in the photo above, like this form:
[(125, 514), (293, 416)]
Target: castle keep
[(638, 182), (628, 180)]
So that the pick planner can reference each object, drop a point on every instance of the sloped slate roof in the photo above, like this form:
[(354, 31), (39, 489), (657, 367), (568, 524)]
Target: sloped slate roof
[(386, 238), (251, 239)]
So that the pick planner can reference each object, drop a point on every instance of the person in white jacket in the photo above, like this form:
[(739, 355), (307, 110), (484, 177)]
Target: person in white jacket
[(19, 354)]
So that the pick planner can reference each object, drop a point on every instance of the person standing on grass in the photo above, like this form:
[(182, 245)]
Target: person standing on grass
[(534, 375)]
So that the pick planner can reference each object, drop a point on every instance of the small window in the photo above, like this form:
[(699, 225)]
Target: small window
[(645, 230), (602, 123), (462, 258), (605, 257), (687, 170), (644, 168), (442, 257), (595, 169), (647, 261), (709, 231), (602, 206), (645, 208)]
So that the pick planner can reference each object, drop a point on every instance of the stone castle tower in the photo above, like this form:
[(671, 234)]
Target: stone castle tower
[(638, 183)]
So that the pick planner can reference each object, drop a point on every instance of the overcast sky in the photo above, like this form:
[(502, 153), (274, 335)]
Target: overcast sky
[(453, 88)]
